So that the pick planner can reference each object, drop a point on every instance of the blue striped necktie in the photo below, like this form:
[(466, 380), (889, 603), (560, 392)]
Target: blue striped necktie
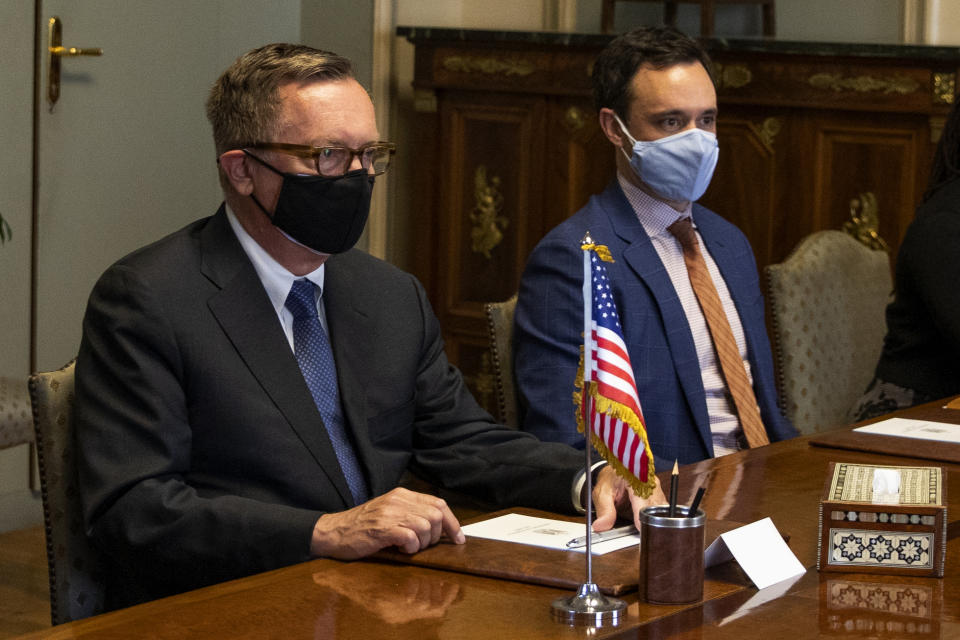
[(312, 348)]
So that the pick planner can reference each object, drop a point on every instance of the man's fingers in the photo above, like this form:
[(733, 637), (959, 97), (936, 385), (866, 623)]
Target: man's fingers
[(441, 518), (429, 517), (400, 518), (451, 526), (637, 504), (405, 539), (604, 499)]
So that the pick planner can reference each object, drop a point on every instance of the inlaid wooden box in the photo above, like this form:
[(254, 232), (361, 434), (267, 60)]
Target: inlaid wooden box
[(883, 519)]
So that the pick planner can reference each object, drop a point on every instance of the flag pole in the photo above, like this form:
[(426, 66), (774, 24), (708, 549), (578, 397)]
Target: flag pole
[(589, 606), (587, 377)]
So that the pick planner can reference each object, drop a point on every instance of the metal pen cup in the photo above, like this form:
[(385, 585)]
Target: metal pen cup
[(671, 555)]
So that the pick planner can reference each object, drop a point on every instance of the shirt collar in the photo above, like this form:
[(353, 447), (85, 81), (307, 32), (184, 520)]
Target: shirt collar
[(276, 279), (654, 215)]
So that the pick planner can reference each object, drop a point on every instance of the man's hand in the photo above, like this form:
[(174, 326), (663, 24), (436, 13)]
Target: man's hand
[(402, 518), (612, 494)]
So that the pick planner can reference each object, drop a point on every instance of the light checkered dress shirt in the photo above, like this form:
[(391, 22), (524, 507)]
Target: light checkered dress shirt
[(656, 216)]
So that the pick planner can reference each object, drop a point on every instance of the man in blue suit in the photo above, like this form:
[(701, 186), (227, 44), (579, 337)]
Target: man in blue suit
[(657, 105)]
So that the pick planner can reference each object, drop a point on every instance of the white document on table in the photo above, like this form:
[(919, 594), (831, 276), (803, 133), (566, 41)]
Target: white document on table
[(760, 551), (543, 532), (920, 429)]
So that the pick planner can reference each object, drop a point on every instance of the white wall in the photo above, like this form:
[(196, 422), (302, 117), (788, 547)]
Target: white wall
[(846, 21), (811, 20), (942, 22), (17, 507), (16, 122)]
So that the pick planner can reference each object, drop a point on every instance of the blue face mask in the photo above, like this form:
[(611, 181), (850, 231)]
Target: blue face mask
[(679, 167)]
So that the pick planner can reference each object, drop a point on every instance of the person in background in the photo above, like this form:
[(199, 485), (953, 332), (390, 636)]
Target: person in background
[(684, 280), (920, 361)]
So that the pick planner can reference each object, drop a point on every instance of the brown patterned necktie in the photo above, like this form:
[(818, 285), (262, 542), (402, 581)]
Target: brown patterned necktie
[(723, 341)]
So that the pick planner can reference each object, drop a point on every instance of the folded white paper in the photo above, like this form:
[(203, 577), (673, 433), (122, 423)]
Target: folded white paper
[(543, 532), (760, 551)]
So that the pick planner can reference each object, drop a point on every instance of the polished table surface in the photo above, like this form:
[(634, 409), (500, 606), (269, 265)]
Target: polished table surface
[(378, 599)]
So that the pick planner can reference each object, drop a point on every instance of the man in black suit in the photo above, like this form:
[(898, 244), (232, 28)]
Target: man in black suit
[(206, 448)]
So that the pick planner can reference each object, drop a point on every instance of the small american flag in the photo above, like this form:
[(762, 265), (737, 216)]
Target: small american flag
[(610, 406)]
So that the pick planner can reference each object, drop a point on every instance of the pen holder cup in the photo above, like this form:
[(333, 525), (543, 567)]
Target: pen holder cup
[(671, 555)]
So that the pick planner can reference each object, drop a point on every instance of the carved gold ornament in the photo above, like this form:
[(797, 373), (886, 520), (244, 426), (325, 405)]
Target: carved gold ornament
[(863, 84), (769, 129), (488, 224), (732, 76), (574, 118), (864, 221), (488, 65), (944, 88)]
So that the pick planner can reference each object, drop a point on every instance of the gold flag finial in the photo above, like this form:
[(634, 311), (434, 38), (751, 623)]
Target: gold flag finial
[(601, 250)]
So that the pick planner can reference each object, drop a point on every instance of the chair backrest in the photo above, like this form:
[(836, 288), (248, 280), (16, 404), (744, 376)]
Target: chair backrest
[(828, 301), (500, 334), (76, 579), (16, 424)]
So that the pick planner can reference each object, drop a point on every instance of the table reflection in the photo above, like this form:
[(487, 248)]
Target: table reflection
[(858, 605), (409, 606)]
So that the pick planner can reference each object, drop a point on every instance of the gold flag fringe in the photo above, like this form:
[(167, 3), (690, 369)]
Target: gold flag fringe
[(621, 412)]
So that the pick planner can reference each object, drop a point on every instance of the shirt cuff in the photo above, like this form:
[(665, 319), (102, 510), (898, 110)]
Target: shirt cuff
[(576, 491)]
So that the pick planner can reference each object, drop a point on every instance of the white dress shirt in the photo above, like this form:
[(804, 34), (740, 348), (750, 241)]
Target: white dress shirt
[(276, 279)]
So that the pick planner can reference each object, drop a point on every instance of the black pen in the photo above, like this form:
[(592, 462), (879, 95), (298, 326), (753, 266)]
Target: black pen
[(673, 490), (696, 502)]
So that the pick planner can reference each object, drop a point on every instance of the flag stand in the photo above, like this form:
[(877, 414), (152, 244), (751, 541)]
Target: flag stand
[(589, 606)]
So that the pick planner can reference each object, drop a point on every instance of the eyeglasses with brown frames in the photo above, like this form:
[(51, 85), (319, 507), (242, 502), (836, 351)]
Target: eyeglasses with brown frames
[(335, 161)]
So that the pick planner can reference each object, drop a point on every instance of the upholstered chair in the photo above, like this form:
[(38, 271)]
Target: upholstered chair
[(828, 300), (500, 335), (75, 577), (16, 422)]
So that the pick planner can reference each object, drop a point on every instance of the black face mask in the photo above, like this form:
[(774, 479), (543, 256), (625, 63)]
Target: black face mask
[(325, 214)]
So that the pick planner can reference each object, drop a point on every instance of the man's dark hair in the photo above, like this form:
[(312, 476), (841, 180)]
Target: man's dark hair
[(656, 47)]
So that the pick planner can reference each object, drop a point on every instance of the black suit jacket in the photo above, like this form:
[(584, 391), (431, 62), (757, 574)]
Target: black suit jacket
[(201, 454)]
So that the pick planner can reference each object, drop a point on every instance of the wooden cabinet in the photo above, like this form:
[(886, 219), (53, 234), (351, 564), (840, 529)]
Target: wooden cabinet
[(508, 146)]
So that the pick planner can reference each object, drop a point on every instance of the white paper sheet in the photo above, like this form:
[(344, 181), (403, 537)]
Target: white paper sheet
[(760, 551), (920, 429), (543, 532)]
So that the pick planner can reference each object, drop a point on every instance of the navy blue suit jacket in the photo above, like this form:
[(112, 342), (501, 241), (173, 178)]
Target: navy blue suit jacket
[(549, 328)]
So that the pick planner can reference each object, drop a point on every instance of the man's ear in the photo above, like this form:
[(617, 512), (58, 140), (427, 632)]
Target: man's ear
[(611, 128), (236, 168)]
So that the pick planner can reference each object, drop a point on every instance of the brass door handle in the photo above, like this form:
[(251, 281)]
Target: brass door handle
[(74, 51), (56, 51)]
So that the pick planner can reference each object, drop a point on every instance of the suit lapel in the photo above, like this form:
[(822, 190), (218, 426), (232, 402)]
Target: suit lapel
[(641, 256), (246, 315)]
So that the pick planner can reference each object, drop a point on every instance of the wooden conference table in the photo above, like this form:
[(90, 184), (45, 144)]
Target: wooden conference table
[(380, 599)]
